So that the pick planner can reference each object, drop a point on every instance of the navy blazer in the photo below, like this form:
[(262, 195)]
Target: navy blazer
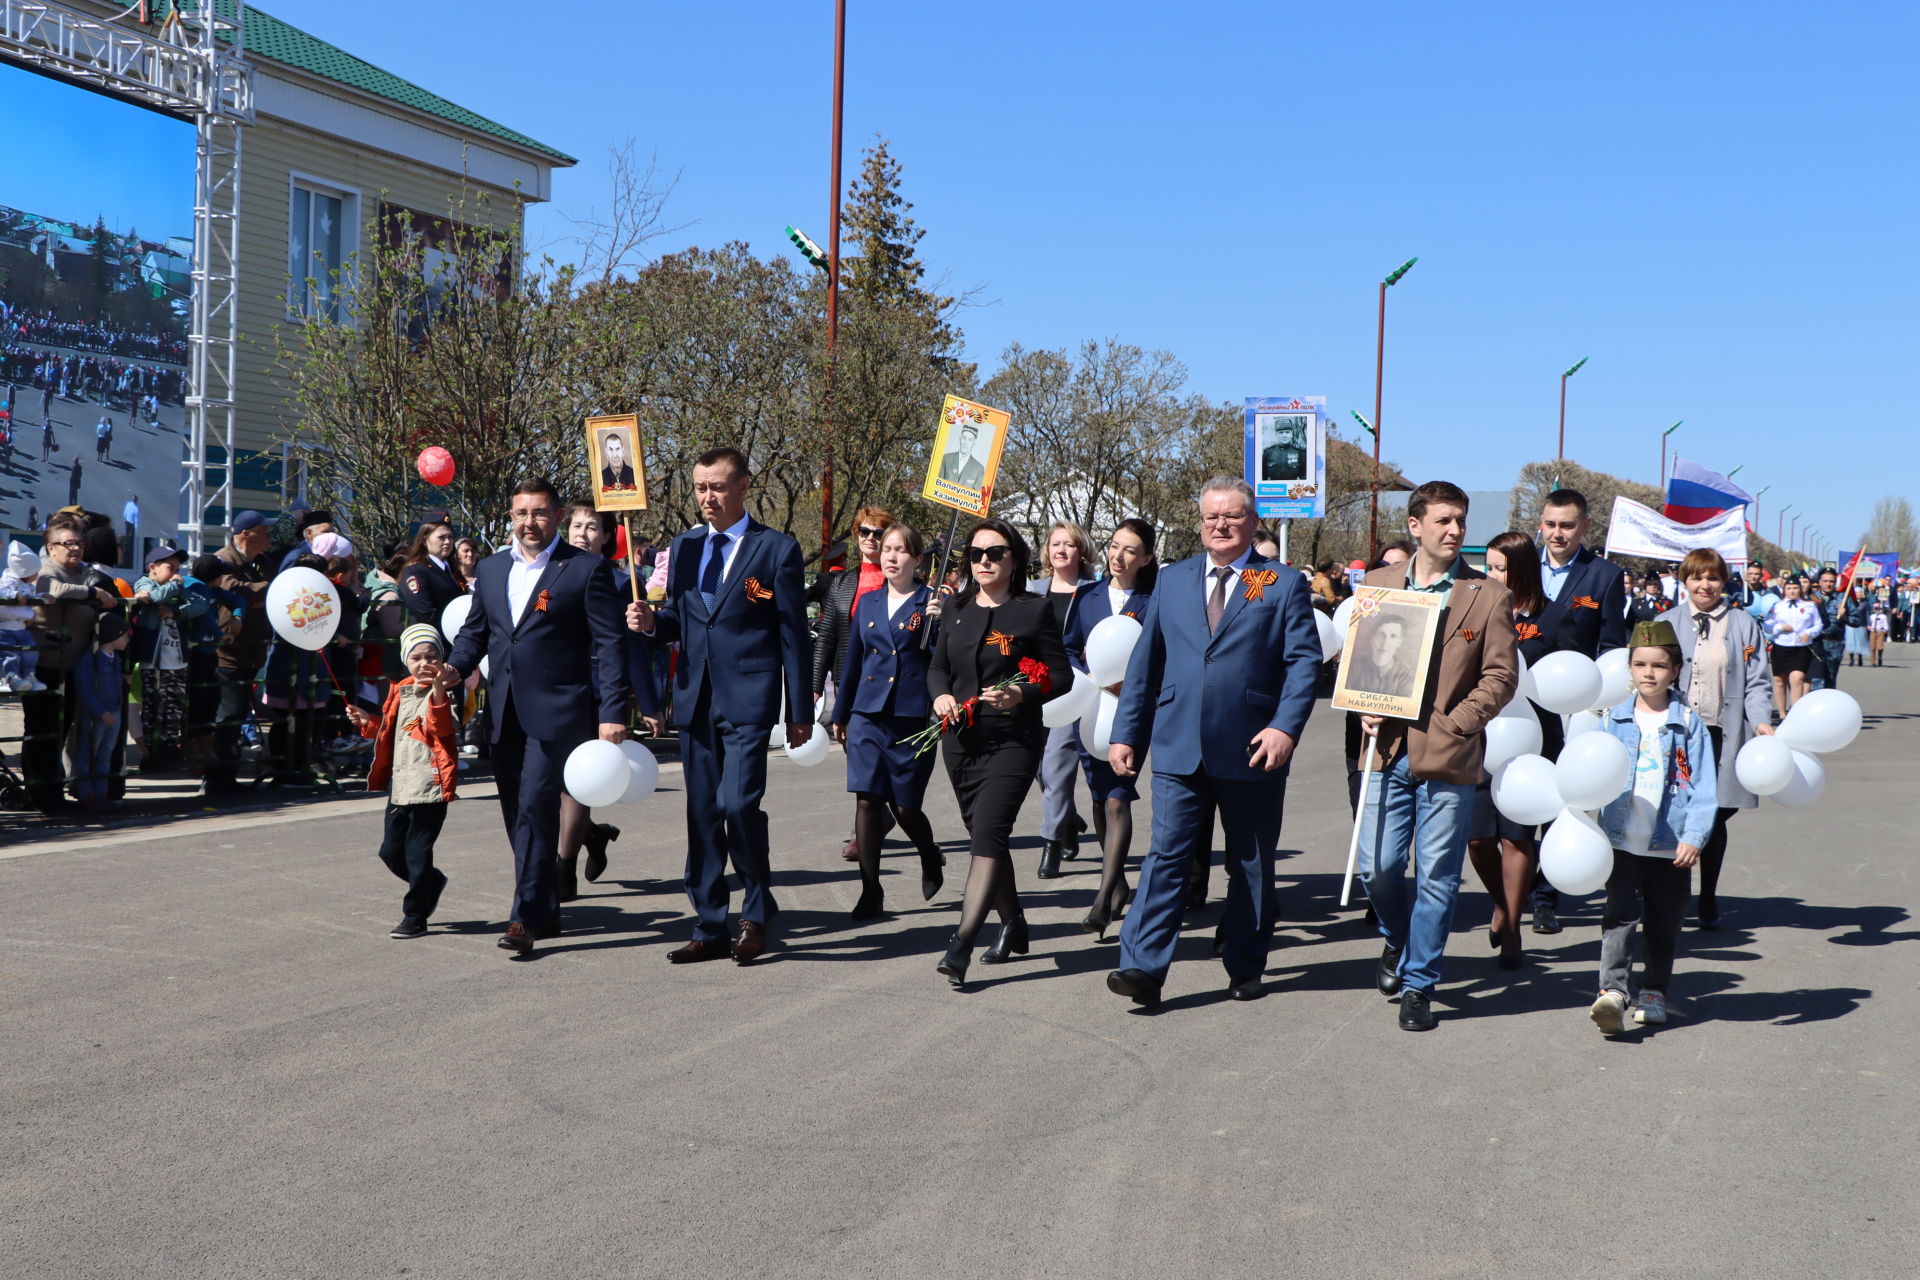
[(756, 635), (884, 672), (1595, 596), (560, 665), (1197, 700), (1092, 607)]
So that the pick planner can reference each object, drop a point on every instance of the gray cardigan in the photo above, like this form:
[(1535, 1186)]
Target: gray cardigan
[(1745, 701)]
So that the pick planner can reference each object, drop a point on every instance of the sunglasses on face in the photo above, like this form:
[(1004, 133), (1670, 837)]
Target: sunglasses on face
[(865, 532), (992, 555)]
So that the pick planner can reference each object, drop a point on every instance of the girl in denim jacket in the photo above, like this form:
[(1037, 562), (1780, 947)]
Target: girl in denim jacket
[(1656, 827)]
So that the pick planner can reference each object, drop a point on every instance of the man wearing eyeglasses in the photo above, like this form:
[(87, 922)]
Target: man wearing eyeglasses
[(546, 616), (736, 603), (63, 626)]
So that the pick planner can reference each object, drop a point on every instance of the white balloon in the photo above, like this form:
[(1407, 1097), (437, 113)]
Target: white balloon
[(1824, 720), (643, 772), (454, 616), (1331, 637), (1342, 617), (1584, 722), (486, 668), (1509, 737), (303, 607), (1109, 646), (1808, 781), (1524, 790), (1616, 679), (1565, 682), (1593, 770), (812, 751), (596, 773), (1575, 855), (1526, 689), (1764, 765), (1096, 726), (1081, 695)]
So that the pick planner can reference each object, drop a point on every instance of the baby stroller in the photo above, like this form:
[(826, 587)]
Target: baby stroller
[(13, 788)]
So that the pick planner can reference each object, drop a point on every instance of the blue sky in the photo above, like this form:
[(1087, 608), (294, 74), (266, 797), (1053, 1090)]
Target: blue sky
[(1713, 201)]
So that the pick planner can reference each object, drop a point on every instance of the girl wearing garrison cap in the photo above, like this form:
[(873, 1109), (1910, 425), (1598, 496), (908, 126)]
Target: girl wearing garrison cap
[(416, 758)]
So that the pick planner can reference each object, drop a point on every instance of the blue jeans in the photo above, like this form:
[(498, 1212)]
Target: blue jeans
[(93, 757), (1405, 818)]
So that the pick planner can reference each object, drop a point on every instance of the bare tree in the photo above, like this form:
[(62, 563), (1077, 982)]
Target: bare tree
[(613, 245), (1892, 529)]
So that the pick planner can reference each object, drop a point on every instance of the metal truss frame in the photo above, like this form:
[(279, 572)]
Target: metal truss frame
[(195, 67)]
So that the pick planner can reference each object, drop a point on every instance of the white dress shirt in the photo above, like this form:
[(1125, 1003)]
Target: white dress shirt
[(522, 573), (1206, 576), (734, 535)]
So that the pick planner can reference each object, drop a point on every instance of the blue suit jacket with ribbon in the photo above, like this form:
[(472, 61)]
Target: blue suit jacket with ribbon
[(884, 672), (755, 634), (1198, 699), (1595, 598), (560, 666)]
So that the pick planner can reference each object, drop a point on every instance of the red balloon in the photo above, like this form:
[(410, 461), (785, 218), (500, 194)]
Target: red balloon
[(435, 466)]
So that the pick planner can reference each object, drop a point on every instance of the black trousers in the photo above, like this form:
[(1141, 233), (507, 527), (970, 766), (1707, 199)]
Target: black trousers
[(236, 700), (407, 850), (48, 722), (991, 777)]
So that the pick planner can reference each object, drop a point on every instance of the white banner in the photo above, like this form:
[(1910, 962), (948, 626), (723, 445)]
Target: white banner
[(1638, 530)]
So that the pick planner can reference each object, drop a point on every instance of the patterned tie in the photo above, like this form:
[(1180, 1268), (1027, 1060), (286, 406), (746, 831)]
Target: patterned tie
[(710, 576), (1217, 600)]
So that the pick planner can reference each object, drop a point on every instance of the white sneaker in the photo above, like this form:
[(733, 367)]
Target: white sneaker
[(1650, 1009), (1609, 1013)]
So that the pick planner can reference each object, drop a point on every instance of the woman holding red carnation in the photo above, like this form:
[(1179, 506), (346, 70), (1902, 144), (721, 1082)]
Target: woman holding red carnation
[(997, 658)]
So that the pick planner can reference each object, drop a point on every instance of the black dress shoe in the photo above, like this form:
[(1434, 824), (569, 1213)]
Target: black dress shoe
[(1416, 1011), (1136, 985), (872, 903), (1012, 941), (1386, 975), (751, 941), (699, 949), (954, 964), (1545, 920), (931, 876), (410, 927), (1070, 847), (1050, 861), (599, 836), (1246, 988)]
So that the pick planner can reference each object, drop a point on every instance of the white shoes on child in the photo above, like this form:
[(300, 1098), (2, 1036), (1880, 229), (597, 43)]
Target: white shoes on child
[(22, 684), (1609, 1012)]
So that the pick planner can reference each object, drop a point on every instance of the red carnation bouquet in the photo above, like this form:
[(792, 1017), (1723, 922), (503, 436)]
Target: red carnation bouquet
[(1032, 672)]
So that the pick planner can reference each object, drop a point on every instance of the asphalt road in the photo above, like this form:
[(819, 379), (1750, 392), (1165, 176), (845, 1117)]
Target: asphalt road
[(213, 1062)]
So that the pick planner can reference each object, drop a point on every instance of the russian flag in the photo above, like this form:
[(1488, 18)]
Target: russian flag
[(1696, 495)]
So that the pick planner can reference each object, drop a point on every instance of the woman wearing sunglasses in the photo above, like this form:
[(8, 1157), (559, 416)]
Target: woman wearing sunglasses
[(996, 631), (833, 631)]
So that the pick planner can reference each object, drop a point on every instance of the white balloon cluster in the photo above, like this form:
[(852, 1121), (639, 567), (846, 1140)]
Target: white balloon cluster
[(1595, 768), (1787, 765), (1109, 649), (600, 773)]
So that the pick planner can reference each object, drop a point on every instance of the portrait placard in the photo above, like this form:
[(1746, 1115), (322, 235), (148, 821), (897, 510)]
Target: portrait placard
[(615, 465), (1389, 645), (1286, 456), (966, 455)]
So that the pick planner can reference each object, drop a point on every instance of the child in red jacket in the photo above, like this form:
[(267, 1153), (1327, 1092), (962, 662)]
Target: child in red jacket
[(416, 758)]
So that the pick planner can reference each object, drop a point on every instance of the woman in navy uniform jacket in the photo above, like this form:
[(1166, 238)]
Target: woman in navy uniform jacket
[(883, 700), (994, 631), (1123, 592)]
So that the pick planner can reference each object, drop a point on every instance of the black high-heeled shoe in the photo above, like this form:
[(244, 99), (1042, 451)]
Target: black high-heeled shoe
[(954, 964), (871, 904), (599, 835), (1012, 940), (1096, 922), (931, 876)]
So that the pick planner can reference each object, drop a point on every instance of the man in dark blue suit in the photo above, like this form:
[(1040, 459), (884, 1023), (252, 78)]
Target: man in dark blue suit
[(545, 615), (1220, 685), (1594, 592), (736, 603)]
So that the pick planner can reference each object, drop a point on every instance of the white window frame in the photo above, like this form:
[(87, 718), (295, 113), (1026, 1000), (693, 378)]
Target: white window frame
[(350, 219)]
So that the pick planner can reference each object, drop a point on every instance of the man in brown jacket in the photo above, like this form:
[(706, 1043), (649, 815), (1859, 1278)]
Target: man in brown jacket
[(241, 567), (63, 629), (1420, 806)]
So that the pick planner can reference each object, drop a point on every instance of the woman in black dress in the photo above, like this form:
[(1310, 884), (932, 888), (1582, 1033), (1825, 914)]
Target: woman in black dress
[(1504, 853), (431, 579), (995, 630)]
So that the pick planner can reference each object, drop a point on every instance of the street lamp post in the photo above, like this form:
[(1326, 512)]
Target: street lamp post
[(1562, 455), (1379, 376), (833, 276), (1663, 435), (1756, 504), (1780, 525)]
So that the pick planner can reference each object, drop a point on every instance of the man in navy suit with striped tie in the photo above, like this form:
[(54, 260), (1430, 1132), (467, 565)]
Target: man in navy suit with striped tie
[(547, 617), (736, 603), (1220, 686)]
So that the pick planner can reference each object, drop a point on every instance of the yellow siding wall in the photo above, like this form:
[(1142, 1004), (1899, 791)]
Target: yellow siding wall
[(272, 153)]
